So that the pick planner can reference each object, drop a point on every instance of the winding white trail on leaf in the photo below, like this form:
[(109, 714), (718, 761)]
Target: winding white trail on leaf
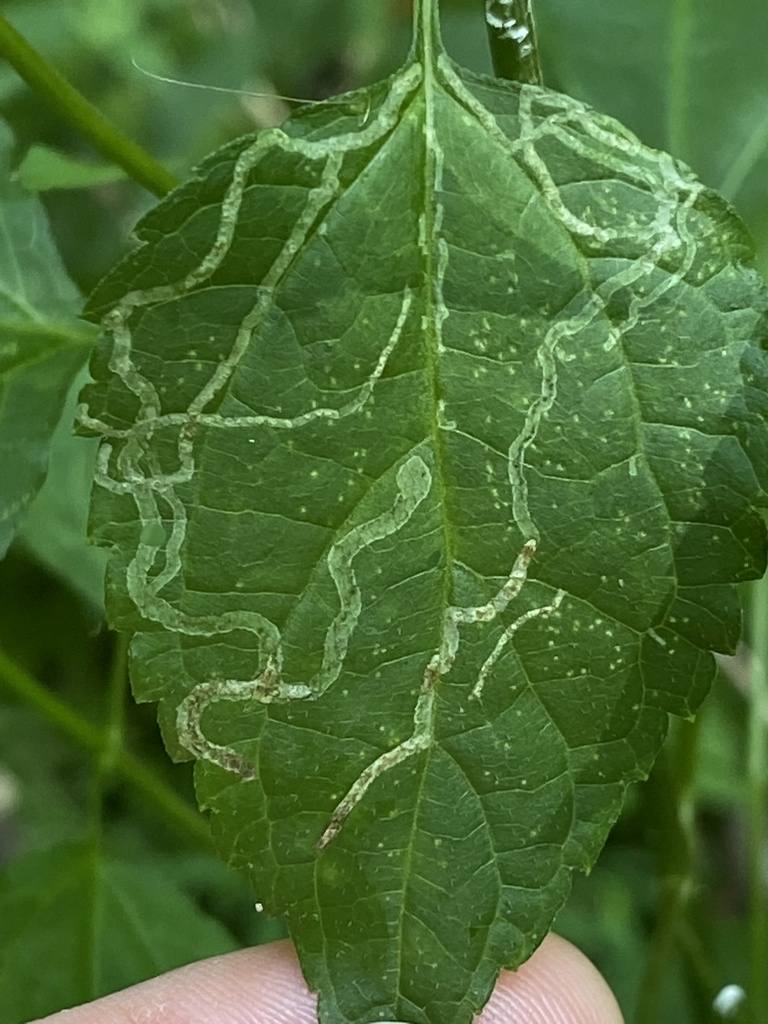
[(439, 665), (128, 463), (667, 238), (667, 234), (413, 484)]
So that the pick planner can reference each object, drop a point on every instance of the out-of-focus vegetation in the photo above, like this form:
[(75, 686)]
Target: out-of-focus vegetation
[(105, 875)]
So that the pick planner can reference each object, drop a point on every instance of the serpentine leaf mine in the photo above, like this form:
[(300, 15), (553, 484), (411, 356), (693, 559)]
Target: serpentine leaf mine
[(433, 448)]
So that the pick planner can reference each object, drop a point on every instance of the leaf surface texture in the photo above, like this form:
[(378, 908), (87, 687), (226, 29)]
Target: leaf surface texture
[(434, 442)]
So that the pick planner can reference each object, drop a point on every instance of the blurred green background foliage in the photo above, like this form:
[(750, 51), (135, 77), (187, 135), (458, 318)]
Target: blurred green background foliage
[(102, 880)]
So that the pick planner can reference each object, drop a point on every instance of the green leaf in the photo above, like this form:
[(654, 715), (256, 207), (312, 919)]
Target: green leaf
[(44, 168), (74, 926), (434, 441), (692, 80), (56, 525), (42, 347)]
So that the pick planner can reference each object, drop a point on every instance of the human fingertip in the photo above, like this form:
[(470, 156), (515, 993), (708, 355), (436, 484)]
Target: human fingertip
[(558, 985)]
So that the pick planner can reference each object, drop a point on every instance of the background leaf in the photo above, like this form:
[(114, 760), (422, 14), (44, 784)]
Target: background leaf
[(131, 919), (688, 77), (41, 345), (55, 526), (44, 168), (324, 485)]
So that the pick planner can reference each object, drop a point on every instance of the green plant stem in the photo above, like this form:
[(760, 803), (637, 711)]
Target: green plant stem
[(512, 40), (679, 91), (102, 775), (81, 114), (757, 782), (118, 682), (702, 975), (111, 749), (669, 793), (125, 765)]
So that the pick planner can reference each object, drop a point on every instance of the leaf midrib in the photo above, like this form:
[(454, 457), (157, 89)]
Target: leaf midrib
[(428, 47)]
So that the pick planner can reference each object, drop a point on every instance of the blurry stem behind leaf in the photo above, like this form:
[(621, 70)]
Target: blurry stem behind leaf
[(171, 807), (102, 776), (757, 782), (77, 111), (512, 36), (670, 812)]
